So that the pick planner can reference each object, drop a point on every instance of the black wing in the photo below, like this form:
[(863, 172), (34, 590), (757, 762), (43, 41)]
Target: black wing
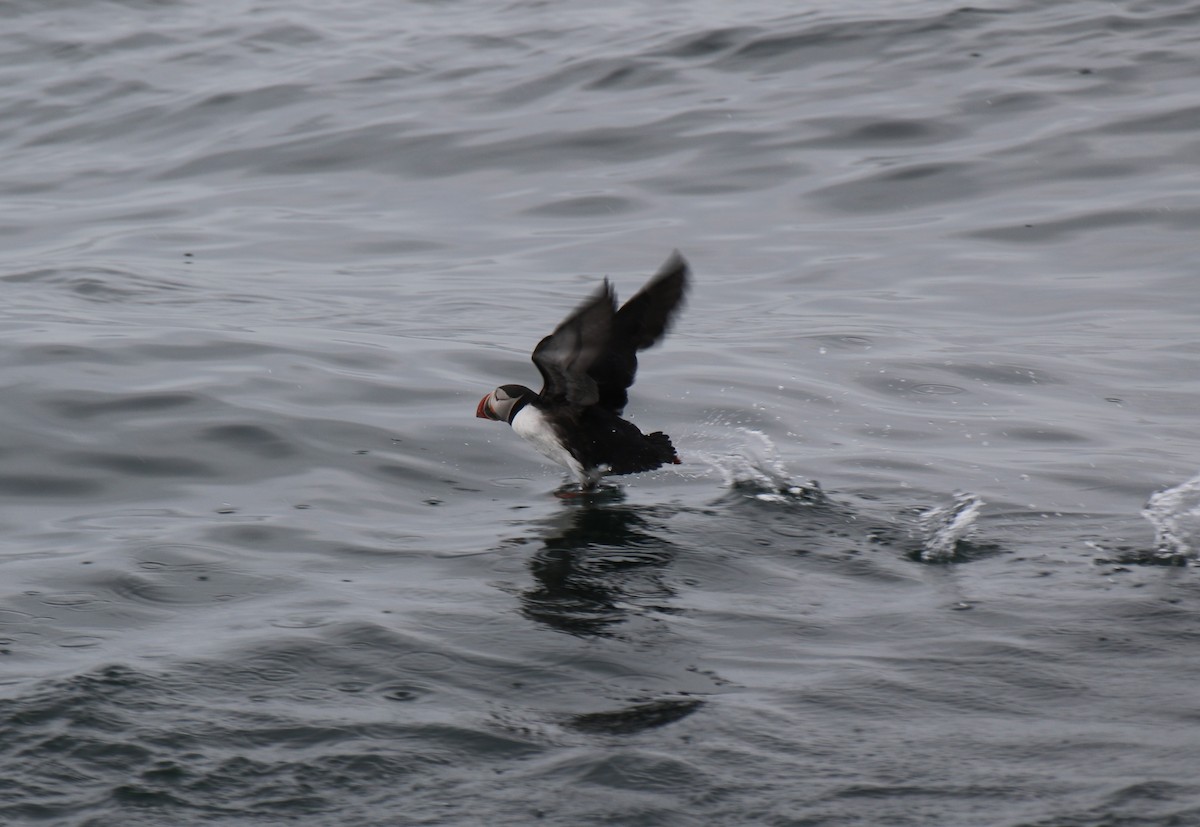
[(639, 324), (566, 356)]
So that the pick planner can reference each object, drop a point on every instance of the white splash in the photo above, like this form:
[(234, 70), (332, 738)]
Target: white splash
[(1175, 515), (942, 527), (751, 460)]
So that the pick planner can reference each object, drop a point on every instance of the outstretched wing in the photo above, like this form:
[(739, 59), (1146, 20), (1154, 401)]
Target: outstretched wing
[(566, 356), (640, 323)]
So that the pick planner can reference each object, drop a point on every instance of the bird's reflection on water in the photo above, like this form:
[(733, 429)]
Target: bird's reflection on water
[(600, 560)]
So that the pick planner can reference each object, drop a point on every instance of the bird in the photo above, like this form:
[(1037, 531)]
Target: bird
[(588, 365)]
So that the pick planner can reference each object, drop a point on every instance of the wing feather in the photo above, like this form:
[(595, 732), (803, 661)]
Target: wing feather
[(566, 356), (591, 357), (640, 323)]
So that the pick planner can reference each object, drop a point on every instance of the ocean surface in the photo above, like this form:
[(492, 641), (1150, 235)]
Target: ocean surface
[(929, 558)]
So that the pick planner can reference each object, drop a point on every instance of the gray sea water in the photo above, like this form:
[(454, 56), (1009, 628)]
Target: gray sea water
[(936, 388)]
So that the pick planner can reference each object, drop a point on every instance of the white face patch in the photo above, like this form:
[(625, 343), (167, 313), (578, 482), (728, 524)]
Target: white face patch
[(534, 428)]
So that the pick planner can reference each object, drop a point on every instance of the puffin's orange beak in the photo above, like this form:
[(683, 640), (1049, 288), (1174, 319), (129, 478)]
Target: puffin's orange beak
[(482, 411)]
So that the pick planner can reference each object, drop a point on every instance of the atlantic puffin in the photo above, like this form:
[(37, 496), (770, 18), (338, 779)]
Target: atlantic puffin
[(588, 364)]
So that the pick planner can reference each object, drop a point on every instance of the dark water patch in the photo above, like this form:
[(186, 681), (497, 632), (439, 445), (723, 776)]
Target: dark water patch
[(1091, 171), (844, 341), (47, 486), (707, 43), (253, 439), (585, 207), (1041, 434), (142, 465), (865, 132), (48, 354), (283, 34), (401, 692), (424, 474), (267, 537), (635, 718), (903, 791), (634, 74), (82, 405), (902, 189), (79, 641), (604, 74), (241, 102), (400, 246)]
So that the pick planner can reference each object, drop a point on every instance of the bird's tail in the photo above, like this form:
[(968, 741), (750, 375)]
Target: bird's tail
[(663, 448)]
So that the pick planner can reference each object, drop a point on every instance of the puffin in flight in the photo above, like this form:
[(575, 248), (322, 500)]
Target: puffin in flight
[(587, 365)]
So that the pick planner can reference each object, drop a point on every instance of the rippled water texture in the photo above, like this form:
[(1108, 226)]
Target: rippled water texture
[(260, 564)]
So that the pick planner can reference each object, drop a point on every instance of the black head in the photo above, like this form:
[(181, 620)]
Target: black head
[(502, 403)]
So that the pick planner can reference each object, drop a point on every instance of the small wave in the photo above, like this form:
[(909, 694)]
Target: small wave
[(748, 460), (1175, 515), (942, 528)]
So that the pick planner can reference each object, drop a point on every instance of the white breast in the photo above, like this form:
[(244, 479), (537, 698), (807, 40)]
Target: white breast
[(533, 426)]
